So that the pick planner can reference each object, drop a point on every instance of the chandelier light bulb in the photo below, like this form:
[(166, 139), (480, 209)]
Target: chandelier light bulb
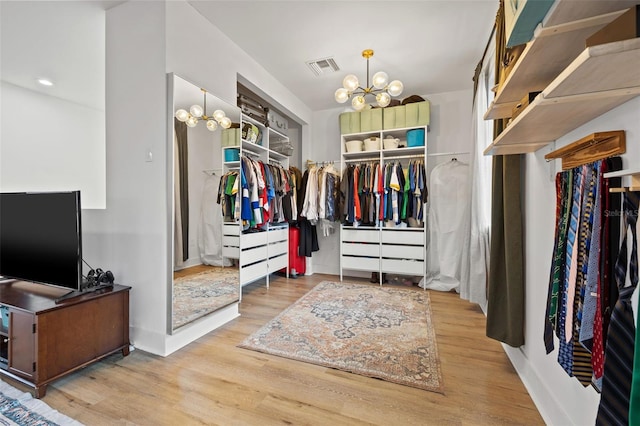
[(395, 88), (192, 121), (218, 115), (342, 95), (212, 125), (225, 122), (383, 99), (358, 103), (196, 111), (380, 80), (350, 82), (182, 115)]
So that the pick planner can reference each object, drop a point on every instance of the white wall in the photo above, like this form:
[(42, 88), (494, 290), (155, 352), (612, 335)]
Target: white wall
[(131, 237), (51, 144), (450, 131), (561, 400)]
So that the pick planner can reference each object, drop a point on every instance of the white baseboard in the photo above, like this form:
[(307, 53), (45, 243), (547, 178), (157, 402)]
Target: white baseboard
[(549, 408)]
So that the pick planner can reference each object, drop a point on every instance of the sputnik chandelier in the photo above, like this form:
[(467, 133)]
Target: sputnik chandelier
[(381, 88), (197, 113)]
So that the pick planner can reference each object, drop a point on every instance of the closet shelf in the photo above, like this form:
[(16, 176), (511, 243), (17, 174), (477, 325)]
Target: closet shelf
[(598, 80), (551, 51)]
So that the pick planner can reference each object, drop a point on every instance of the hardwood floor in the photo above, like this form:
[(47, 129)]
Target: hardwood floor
[(211, 381)]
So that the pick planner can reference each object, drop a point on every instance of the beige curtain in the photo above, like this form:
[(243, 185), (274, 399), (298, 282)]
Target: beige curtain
[(505, 298)]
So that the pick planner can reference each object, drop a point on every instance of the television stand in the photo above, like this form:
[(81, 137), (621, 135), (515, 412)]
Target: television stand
[(42, 340), (86, 290)]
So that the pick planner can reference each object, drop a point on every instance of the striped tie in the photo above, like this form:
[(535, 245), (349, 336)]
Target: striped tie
[(565, 350), (618, 363), (581, 356)]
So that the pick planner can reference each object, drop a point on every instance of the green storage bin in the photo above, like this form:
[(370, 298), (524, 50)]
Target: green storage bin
[(394, 117), (349, 123), (371, 120), (417, 114)]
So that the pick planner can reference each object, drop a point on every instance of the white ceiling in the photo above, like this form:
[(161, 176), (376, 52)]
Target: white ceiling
[(432, 46)]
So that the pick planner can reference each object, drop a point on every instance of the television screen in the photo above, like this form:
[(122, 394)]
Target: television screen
[(41, 238)]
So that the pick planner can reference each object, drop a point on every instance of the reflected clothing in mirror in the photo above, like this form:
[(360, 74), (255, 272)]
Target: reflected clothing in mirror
[(182, 186)]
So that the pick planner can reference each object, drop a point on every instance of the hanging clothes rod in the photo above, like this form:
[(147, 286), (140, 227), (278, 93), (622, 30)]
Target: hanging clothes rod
[(321, 163), (400, 157), (446, 154), (251, 154), (362, 160)]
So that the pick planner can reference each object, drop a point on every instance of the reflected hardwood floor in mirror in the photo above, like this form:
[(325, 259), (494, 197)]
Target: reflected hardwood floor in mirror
[(211, 381)]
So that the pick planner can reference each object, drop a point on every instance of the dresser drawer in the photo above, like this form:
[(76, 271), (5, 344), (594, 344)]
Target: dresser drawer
[(253, 272), (254, 239), (277, 249), (403, 237), (277, 263), (232, 252), (402, 252), (230, 229), (360, 235), (253, 255), (405, 267), (230, 241), (361, 263), (360, 249), (278, 235)]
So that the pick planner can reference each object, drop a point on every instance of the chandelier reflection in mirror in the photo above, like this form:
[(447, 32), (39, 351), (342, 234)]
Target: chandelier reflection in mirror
[(198, 113), (380, 88)]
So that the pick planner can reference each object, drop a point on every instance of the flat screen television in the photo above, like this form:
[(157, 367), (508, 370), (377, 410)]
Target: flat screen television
[(41, 237)]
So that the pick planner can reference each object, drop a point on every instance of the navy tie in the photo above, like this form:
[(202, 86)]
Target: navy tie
[(618, 360)]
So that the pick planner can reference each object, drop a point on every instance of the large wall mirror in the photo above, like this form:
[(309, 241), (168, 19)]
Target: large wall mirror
[(202, 280)]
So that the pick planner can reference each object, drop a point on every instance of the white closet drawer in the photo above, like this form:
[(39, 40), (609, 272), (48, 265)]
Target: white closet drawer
[(253, 255), (230, 229), (277, 249), (253, 272), (254, 239), (403, 252), (277, 263), (403, 237), (406, 267), (360, 235), (359, 249), (361, 263), (230, 241), (278, 235), (232, 252)]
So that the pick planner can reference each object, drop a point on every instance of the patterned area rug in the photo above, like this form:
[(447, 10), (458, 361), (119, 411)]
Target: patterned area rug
[(20, 408), (197, 295), (383, 332)]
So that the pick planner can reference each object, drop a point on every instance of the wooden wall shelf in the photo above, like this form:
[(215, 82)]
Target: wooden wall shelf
[(598, 80), (546, 56), (594, 147)]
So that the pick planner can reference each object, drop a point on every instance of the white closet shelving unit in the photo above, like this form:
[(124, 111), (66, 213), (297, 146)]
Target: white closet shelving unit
[(261, 253), (384, 249), (576, 84)]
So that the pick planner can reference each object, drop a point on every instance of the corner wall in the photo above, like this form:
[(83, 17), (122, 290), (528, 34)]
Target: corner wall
[(561, 399)]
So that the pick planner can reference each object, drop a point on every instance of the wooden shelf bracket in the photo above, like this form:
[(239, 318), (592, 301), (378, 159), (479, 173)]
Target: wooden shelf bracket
[(594, 147)]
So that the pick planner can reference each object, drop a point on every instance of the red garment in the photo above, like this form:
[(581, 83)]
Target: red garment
[(356, 197)]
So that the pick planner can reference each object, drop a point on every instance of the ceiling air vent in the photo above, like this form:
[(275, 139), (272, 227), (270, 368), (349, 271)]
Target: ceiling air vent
[(323, 66)]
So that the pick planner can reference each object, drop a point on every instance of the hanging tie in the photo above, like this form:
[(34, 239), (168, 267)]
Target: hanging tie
[(619, 353)]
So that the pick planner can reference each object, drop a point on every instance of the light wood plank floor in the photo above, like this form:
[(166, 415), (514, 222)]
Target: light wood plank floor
[(211, 381)]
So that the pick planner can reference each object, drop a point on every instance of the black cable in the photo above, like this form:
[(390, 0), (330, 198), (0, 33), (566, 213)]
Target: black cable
[(85, 262)]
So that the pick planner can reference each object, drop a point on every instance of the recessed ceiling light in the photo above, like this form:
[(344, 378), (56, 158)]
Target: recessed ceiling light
[(45, 82)]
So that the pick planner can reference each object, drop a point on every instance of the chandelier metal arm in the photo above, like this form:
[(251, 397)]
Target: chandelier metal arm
[(382, 94)]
